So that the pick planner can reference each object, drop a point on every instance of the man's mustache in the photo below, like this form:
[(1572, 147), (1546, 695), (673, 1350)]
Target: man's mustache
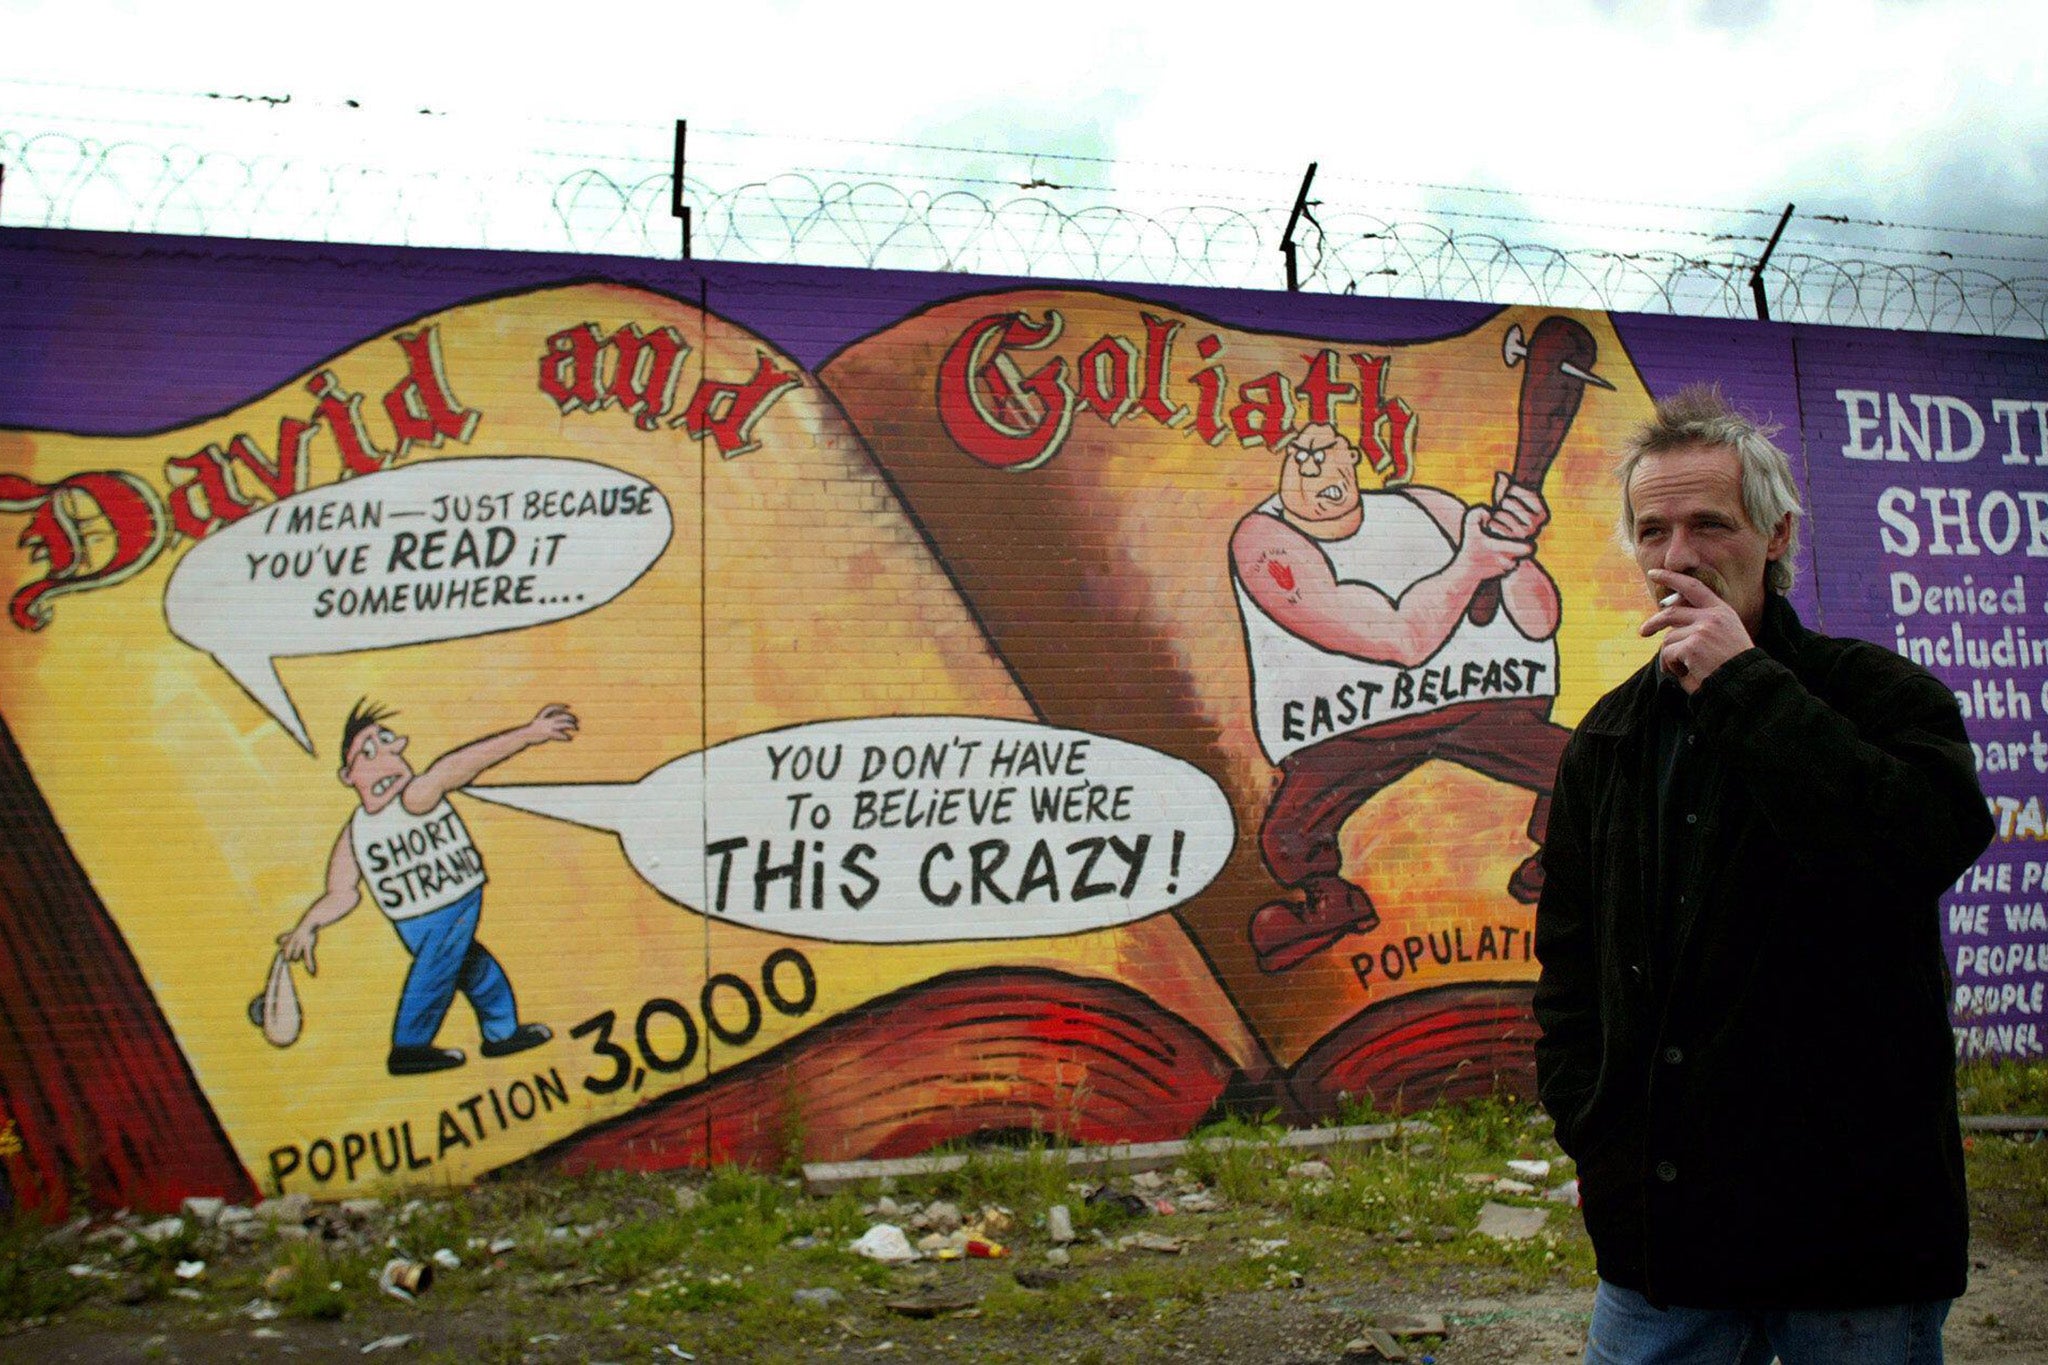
[(1714, 582)]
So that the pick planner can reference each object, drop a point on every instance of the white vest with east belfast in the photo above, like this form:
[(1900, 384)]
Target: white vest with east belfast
[(1302, 693), (415, 864)]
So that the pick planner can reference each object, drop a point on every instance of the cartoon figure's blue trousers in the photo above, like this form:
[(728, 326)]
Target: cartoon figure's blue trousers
[(446, 958)]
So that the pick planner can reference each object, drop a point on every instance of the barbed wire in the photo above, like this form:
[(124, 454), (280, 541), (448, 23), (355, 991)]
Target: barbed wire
[(906, 222)]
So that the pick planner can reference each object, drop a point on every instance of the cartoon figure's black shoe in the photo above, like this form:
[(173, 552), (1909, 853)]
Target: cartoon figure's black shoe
[(520, 1039), (417, 1061)]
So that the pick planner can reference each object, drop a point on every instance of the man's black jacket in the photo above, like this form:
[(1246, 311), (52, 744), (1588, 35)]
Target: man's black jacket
[(1776, 1125)]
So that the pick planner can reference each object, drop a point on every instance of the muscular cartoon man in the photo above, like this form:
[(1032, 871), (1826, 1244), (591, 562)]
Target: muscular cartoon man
[(1369, 657), (407, 844)]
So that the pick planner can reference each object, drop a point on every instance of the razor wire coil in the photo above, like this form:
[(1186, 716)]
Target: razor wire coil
[(970, 225)]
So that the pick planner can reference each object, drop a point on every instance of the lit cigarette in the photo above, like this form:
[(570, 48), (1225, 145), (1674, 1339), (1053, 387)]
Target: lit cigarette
[(1670, 601)]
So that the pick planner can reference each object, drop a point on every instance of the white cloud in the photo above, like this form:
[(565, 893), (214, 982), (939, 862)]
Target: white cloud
[(1913, 111)]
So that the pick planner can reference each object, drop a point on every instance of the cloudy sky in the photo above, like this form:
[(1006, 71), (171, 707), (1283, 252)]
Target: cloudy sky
[(1576, 114)]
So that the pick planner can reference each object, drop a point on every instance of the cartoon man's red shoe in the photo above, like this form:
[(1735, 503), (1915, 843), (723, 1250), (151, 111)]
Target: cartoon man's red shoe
[(1284, 934)]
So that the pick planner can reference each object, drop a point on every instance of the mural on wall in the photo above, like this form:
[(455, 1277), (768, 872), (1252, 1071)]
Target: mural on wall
[(789, 713)]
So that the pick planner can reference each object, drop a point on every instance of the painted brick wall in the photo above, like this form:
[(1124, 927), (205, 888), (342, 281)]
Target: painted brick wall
[(875, 701)]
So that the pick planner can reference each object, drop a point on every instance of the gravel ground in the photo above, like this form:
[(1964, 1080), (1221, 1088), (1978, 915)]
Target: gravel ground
[(1249, 1285)]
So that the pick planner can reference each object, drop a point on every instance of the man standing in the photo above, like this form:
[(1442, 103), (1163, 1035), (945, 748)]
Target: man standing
[(408, 845), (1743, 998), (1368, 660)]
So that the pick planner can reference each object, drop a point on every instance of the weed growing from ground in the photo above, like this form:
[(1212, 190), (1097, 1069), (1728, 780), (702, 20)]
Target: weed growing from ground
[(1237, 1157), (792, 1122), (428, 1225), (1045, 1309), (322, 1282), (2009, 1187), (713, 1257), (697, 1295), (742, 1215), (1998, 1087), (33, 1283), (1033, 1177), (833, 1219), (640, 1248)]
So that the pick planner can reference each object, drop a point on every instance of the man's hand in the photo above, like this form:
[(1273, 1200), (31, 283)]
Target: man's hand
[(1518, 513), (1489, 554), (298, 945), (555, 722), (1704, 630)]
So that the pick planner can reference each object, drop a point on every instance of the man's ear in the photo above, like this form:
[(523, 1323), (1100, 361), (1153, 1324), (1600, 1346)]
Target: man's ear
[(342, 774), (1781, 538)]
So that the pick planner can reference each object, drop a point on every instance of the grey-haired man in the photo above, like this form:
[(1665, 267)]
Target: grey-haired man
[(1745, 1043)]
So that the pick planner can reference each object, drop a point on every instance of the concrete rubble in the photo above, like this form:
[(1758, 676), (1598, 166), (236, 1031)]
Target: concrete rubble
[(1510, 1222)]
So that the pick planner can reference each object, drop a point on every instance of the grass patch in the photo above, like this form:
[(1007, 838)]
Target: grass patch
[(2003, 1087), (1044, 1308), (322, 1281), (1417, 1199), (1238, 1158), (2008, 1174), (714, 1257), (717, 1290), (33, 1282), (736, 1218), (431, 1224), (742, 1215), (834, 1219), (1020, 1178), (2009, 1189), (640, 1248)]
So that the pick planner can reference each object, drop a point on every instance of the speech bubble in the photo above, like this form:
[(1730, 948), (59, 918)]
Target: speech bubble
[(912, 829), (434, 551)]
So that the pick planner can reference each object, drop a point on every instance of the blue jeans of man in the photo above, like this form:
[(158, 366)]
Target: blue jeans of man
[(446, 958), (1629, 1330)]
